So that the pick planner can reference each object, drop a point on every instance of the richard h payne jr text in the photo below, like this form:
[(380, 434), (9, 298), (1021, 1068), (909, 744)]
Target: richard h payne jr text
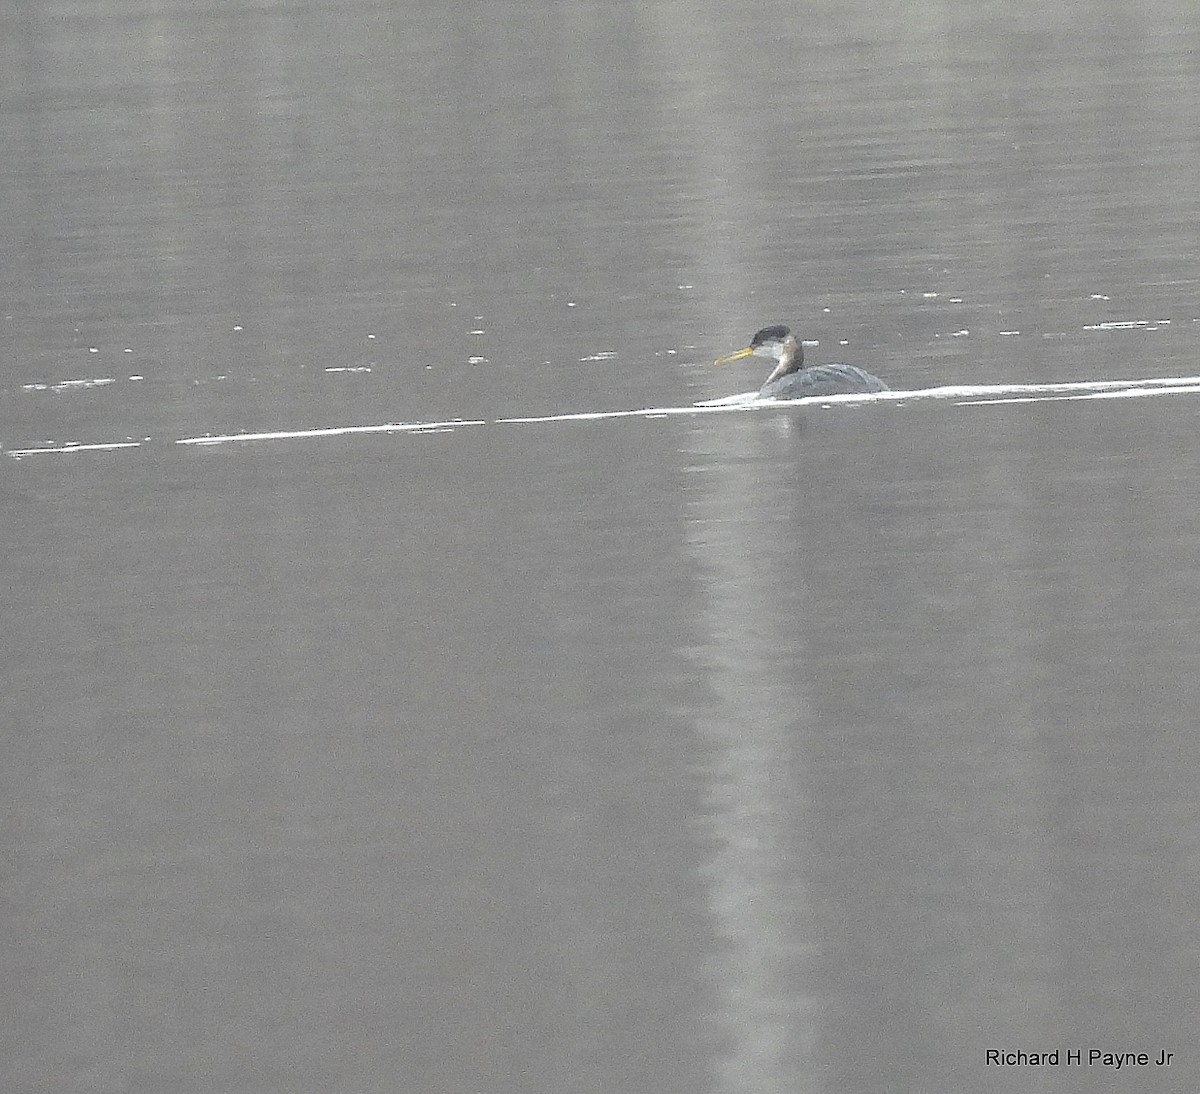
[(1092, 1057)]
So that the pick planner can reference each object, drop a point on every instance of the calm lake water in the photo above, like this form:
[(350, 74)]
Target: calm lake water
[(807, 749)]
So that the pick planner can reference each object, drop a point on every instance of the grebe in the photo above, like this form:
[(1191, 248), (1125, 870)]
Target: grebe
[(790, 379)]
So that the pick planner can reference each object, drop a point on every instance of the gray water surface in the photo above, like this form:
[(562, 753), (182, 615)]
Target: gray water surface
[(807, 749)]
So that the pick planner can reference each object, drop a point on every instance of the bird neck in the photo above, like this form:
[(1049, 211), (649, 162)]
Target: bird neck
[(791, 359)]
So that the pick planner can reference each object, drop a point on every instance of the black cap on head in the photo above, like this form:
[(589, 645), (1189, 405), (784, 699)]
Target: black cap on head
[(776, 333)]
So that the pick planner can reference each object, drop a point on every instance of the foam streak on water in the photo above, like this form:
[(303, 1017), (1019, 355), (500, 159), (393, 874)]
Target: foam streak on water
[(960, 395)]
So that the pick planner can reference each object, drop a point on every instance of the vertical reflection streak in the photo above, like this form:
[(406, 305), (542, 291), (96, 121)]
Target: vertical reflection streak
[(758, 909)]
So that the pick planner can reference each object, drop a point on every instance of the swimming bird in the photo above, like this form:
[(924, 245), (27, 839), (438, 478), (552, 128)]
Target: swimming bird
[(790, 379)]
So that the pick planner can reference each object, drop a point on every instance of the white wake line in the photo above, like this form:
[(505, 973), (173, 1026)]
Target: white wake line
[(274, 435), (334, 431), (74, 446), (1122, 393), (962, 395)]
